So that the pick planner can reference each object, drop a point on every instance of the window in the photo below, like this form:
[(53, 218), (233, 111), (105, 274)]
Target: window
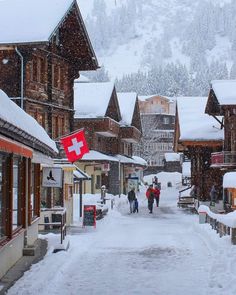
[(38, 69), (57, 77), (98, 182), (34, 70), (34, 192), (3, 165), (41, 70), (17, 189), (166, 120)]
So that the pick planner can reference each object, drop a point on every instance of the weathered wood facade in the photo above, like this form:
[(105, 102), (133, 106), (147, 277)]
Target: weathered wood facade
[(221, 102), (21, 154), (198, 149), (106, 134), (45, 90), (39, 75)]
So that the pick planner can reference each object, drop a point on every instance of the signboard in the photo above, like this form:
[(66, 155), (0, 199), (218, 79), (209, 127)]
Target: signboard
[(89, 215), (105, 167), (133, 183), (52, 177)]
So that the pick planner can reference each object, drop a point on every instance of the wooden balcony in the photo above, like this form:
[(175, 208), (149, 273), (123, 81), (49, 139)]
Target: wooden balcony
[(103, 126), (130, 134), (107, 127), (223, 159)]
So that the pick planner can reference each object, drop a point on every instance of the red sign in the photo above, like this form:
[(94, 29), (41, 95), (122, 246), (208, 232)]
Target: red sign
[(89, 215), (75, 146)]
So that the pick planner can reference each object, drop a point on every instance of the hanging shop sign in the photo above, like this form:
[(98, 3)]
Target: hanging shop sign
[(52, 177)]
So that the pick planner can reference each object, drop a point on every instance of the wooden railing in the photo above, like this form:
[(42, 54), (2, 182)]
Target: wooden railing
[(224, 158), (220, 227), (60, 224)]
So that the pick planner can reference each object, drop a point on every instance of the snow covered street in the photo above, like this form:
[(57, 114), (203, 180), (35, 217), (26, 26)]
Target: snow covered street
[(166, 253)]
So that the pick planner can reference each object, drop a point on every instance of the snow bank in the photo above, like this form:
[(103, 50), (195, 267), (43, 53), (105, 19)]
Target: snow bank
[(172, 157), (227, 219), (175, 178)]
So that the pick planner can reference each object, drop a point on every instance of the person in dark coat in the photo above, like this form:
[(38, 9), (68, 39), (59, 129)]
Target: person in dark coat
[(213, 194), (131, 199), (136, 205), (156, 192), (150, 198)]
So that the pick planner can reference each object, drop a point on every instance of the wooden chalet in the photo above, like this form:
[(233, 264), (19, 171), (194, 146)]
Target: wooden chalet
[(198, 135), (24, 146), (221, 105), (130, 133), (98, 111), (43, 46)]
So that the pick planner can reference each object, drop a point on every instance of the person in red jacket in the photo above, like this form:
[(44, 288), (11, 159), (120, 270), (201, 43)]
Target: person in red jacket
[(150, 197), (156, 192)]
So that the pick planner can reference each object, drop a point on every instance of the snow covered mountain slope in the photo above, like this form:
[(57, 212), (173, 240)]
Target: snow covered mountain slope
[(133, 35)]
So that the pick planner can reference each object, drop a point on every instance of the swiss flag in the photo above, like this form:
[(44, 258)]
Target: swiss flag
[(75, 146)]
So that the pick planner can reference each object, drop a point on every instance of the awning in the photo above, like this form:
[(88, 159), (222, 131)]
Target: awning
[(41, 158), (229, 180), (80, 175)]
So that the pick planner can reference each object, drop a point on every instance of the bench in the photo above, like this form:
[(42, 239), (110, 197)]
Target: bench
[(186, 202)]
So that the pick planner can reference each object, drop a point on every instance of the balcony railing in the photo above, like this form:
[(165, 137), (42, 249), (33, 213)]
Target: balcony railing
[(223, 159)]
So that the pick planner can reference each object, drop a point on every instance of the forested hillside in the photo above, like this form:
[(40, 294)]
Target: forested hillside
[(171, 47)]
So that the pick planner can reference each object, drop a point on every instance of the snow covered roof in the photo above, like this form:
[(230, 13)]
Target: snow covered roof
[(97, 156), (127, 105), (13, 114), (172, 157), (229, 180), (79, 174), (225, 91), (140, 161), (82, 79), (186, 169), (91, 99), (194, 124), (26, 21), (124, 160)]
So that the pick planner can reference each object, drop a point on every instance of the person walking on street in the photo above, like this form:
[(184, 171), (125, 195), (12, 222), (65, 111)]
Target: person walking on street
[(131, 199), (136, 205), (156, 192), (213, 194), (150, 197)]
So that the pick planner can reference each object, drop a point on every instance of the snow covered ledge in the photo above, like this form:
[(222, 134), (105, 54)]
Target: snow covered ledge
[(224, 224)]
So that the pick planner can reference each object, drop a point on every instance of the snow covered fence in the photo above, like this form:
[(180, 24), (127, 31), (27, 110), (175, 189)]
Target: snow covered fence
[(224, 224)]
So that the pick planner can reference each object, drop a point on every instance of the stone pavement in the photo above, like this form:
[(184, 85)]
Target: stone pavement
[(22, 265)]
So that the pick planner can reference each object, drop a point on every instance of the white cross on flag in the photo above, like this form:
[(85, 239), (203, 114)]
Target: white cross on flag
[(75, 146)]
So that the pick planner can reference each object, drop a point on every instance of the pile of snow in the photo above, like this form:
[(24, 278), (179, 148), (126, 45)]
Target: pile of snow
[(140, 161), (97, 156), (175, 178), (227, 219), (229, 180)]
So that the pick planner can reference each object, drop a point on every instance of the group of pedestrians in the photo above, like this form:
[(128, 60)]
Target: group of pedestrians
[(152, 194), (133, 201)]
